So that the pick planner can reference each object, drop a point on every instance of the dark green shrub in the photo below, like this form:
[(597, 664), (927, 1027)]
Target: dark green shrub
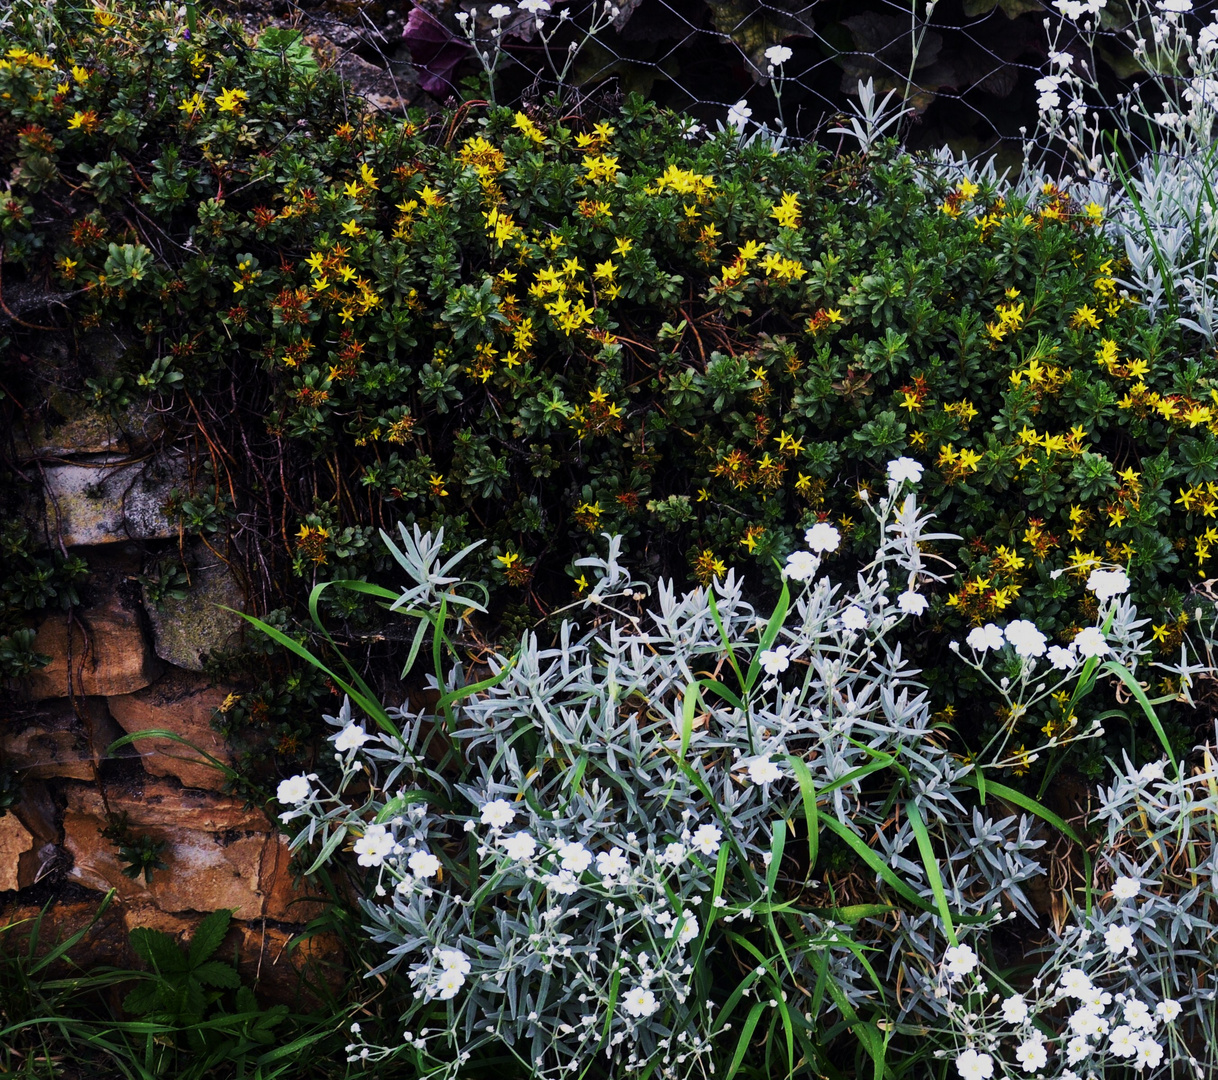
[(536, 330)]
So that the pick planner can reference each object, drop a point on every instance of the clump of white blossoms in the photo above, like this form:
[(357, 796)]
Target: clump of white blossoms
[(607, 804)]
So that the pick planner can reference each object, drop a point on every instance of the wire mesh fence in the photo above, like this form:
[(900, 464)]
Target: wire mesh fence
[(964, 74)]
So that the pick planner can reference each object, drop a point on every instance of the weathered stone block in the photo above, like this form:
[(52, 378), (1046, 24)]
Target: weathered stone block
[(110, 498), (185, 631), (107, 649), (183, 704), (54, 741), (17, 845), (88, 430), (219, 854)]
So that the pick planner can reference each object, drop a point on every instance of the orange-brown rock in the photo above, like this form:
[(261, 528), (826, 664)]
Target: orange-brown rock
[(183, 704), (219, 854), (56, 739), (17, 847), (276, 962), (105, 654)]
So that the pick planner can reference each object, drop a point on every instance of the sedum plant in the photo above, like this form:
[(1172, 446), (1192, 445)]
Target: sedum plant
[(609, 855)]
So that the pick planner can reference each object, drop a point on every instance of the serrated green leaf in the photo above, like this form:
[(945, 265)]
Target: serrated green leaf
[(215, 973), (158, 949), (208, 936)]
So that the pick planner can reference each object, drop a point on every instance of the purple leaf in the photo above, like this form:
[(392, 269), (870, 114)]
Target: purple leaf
[(434, 50)]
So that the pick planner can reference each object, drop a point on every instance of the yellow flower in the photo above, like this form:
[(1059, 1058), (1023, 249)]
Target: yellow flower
[(622, 246), (193, 105), (1084, 316), (351, 228), (368, 176), (786, 213), (748, 251), (581, 583), (230, 101), (967, 188), (604, 271), (530, 129), (86, 121), (436, 482), (81, 75)]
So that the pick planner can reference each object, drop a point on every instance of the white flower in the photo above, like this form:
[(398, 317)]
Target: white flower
[(778, 54), (674, 854), (1152, 770), (1076, 9), (1047, 83), (1119, 939), (1074, 983), (1031, 1054), (854, 618), (1138, 1015), (1077, 1049), (519, 846), (764, 771), (1090, 642), (1125, 888), (374, 845), (1095, 999), (611, 863), (689, 929), (912, 603), (706, 839), (462, 17), (1123, 1042), (1149, 1053), (1176, 7), (823, 537), (574, 857), (294, 790), (564, 882), (960, 961), (738, 114), (1051, 99), (1015, 1009), (904, 468), (985, 637), (801, 565), (500, 11), (974, 1065), (534, 7), (1207, 40), (424, 864), (1167, 1010), (639, 1002), (1061, 659), (1028, 641), (1107, 583), (1085, 1023), (497, 813), (447, 985), (775, 661), (352, 737), (453, 960)]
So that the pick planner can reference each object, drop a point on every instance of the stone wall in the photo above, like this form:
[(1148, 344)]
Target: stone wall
[(120, 665)]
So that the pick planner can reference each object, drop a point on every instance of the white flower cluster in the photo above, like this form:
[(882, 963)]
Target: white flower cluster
[(569, 848), (1103, 1027)]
